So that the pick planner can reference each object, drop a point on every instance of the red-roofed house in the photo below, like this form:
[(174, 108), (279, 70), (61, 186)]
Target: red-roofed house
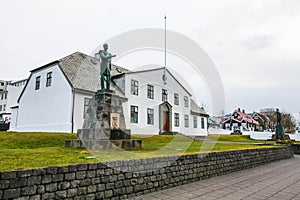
[(239, 120)]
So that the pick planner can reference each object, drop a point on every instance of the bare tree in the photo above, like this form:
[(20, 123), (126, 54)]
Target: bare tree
[(287, 120)]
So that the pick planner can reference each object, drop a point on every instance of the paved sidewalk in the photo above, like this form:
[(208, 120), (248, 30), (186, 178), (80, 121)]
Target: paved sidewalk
[(277, 181)]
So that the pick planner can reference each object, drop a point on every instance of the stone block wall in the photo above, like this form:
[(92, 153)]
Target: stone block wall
[(129, 178)]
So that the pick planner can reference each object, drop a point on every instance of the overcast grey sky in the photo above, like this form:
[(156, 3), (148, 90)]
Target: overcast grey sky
[(255, 44)]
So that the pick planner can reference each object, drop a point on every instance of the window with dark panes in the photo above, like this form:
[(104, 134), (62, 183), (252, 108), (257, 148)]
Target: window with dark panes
[(134, 114), (49, 79), (150, 91), (164, 95), (186, 120), (202, 123), (186, 101), (37, 82), (134, 87), (150, 116), (176, 98), (176, 119), (195, 122)]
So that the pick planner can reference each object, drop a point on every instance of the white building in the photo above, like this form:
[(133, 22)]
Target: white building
[(297, 121), (9, 93), (57, 94)]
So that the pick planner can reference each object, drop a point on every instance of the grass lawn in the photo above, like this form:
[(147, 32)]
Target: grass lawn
[(34, 150), (237, 138)]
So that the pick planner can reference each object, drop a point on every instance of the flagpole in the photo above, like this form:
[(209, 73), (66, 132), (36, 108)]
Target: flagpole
[(165, 41), (165, 78)]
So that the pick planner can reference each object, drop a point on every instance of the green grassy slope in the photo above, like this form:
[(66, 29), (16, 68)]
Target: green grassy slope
[(34, 150)]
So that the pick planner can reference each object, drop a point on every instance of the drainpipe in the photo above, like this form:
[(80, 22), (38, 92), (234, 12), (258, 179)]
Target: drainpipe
[(17, 118), (73, 106)]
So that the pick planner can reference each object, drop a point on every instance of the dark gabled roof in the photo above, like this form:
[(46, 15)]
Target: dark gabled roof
[(243, 117), (197, 110), (45, 66), (247, 117), (81, 71)]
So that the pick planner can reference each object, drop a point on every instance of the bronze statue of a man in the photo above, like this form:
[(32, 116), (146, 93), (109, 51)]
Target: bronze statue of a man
[(279, 132), (105, 67)]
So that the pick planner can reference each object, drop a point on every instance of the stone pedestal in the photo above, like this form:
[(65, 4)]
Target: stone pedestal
[(283, 137), (104, 124)]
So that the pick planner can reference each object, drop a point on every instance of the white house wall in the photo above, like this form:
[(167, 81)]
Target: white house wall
[(47, 109), (14, 119), (13, 94), (155, 78), (199, 130)]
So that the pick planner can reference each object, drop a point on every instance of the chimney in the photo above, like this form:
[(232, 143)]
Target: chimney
[(243, 111), (239, 109)]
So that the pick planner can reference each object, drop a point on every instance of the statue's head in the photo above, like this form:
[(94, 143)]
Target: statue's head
[(105, 46)]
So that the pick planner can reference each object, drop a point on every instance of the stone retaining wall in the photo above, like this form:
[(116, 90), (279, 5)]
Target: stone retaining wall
[(129, 178)]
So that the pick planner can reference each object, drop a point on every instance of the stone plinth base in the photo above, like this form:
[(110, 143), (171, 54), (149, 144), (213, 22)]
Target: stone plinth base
[(104, 124), (95, 134), (118, 134), (105, 144), (286, 137)]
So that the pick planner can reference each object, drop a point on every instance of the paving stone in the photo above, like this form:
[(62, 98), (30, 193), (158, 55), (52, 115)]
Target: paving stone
[(274, 181)]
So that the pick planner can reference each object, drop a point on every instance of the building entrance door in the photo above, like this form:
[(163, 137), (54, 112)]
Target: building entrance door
[(165, 117), (166, 121)]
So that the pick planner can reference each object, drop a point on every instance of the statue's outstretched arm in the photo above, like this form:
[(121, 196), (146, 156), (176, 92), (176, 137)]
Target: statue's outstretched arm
[(103, 56)]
